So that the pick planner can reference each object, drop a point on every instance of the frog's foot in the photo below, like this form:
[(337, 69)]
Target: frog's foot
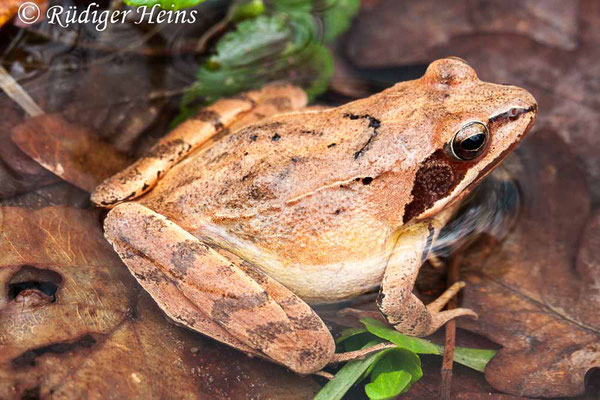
[(218, 294), (415, 319), (401, 308), (439, 317), (142, 175)]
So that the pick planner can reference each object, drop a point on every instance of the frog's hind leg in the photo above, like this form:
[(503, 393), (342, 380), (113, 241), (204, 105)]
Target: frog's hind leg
[(219, 296), (396, 301), (142, 175)]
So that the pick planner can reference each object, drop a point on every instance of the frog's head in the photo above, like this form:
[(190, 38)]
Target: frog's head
[(479, 124)]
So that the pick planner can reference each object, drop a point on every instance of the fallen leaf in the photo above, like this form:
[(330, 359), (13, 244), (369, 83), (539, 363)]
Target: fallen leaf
[(58, 194), (398, 34), (466, 384), (18, 172), (74, 324), (531, 295), (9, 8), (70, 151)]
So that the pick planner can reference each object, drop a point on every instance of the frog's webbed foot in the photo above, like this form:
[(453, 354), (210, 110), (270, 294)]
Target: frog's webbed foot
[(405, 311), (222, 297), (233, 112)]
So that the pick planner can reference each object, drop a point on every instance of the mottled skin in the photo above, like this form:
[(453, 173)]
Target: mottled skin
[(235, 238)]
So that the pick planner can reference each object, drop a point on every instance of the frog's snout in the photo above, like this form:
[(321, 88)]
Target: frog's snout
[(530, 108)]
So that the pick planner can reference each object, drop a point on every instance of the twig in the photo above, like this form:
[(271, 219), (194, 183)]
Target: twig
[(16, 92), (453, 276), (214, 30)]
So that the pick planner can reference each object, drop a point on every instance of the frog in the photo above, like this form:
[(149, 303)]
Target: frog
[(258, 208)]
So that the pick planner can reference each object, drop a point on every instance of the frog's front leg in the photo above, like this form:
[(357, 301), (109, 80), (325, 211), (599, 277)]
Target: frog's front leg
[(216, 295), (396, 300), (249, 107)]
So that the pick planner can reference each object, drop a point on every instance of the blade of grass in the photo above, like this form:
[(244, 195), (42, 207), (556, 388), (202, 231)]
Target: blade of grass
[(346, 377)]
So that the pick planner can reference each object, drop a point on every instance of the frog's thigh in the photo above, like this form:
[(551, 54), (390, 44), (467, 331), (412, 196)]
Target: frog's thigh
[(142, 175), (396, 301), (205, 291)]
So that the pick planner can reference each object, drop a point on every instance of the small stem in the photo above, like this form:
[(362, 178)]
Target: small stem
[(214, 30), (360, 354), (16, 92), (453, 276), (447, 362)]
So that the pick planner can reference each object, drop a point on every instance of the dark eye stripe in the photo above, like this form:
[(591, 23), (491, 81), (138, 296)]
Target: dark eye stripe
[(436, 179)]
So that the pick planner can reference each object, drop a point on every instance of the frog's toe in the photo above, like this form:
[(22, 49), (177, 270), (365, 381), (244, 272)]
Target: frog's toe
[(439, 303), (438, 319)]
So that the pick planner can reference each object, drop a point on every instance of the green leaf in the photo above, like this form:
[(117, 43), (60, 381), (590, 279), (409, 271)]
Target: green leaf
[(348, 333), (402, 359), (318, 71), (275, 40), (290, 6), (358, 341), (472, 358), (413, 344), (410, 361), (346, 377), (393, 373), (263, 49), (388, 385), (338, 17), (166, 4), (254, 40), (247, 9)]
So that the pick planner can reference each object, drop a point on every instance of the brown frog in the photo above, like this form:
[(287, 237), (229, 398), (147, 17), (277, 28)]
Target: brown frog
[(249, 211)]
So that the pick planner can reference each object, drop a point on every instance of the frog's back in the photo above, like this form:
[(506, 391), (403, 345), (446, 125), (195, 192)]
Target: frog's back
[(288, 193), (293, 187)]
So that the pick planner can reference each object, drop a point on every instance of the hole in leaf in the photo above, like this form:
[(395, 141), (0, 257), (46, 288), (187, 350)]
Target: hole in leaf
[(31, 394), (31, 278), (592, 381)]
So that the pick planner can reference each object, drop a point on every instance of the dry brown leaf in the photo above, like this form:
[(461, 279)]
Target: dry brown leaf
[(392, 33), (18, 172), (531, 295), (70, 151), (9, 8), (467, 384), (58, 194), (74, 324)]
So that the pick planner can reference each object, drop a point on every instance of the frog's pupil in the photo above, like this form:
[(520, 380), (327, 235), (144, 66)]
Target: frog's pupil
[(473, 143)]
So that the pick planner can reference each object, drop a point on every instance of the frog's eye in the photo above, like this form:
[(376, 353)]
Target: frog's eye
[(470, 141)]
